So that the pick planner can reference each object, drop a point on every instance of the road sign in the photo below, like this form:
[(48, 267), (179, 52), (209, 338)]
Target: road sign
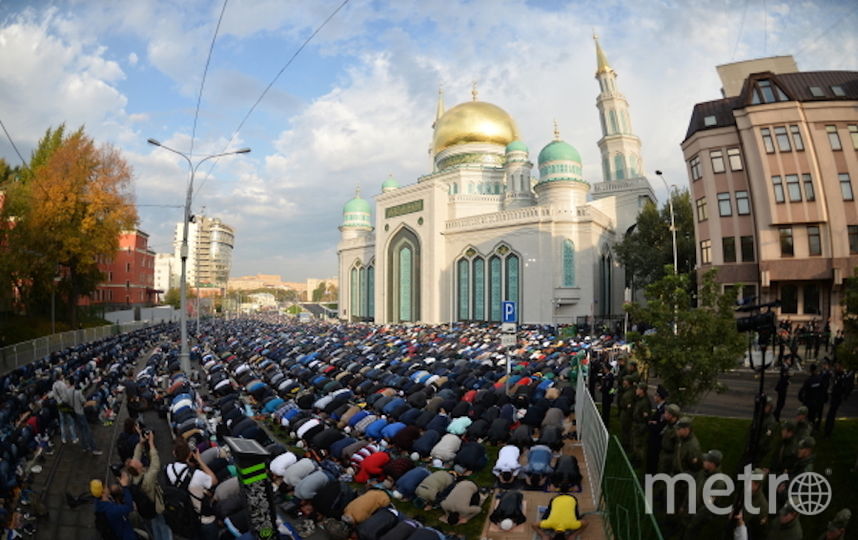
[(510, 313), (508, 328), (508, 340)]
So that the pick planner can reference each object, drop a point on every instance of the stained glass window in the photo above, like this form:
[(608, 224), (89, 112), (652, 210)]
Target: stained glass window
[(464, 282), (495, 288), (363, 306), (405, 292), (354, 293), (568, 263), (512, 278), (370, 292)]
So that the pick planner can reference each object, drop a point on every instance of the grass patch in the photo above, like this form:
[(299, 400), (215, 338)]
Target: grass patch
[(835, 458)]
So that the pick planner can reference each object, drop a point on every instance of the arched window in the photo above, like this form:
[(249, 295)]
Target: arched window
[(495, 288), (606, 169), (362, 279), (512, 283), (354, 293), (370, 292), (568, 263), (464, 281), (619, 167), (403, 282), (613, 117), (479, 297)]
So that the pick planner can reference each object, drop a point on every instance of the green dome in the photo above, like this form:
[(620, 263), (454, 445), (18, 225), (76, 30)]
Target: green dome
[(357, 205), (559, 151), (516, 146), (389, 184)]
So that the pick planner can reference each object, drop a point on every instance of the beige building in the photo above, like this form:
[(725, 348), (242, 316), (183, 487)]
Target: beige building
[(772, 167), (259, 281)]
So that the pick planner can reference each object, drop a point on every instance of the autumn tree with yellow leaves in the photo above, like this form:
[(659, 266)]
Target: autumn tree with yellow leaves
[(66, 209)]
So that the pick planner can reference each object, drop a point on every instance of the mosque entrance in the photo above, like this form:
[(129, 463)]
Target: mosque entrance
[(403, 283)]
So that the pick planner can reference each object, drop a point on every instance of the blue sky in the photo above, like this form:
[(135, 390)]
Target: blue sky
[(357, 104)]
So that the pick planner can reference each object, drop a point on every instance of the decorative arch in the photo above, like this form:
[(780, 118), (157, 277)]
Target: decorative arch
[(605, 280), (568, 263), (403, 282), (503, 277)]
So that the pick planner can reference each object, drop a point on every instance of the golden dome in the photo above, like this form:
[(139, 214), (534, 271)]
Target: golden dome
[(474, 121)]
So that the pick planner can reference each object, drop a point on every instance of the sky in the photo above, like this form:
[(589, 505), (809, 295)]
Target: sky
[(358, 102)]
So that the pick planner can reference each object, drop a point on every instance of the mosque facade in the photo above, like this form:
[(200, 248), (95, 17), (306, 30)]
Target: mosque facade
[(484, 227)]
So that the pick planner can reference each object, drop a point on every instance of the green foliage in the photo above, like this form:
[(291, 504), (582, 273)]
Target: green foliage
[(294, 309), (705, 344), (172, 298), (319, 292), (648, 248), (847, 352)]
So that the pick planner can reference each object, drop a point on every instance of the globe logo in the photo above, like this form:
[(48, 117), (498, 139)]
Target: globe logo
[(809, 493)]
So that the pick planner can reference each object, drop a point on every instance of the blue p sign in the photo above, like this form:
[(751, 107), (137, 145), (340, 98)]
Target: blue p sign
[(509, 312)]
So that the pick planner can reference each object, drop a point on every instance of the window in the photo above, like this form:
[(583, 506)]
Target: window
[(717, 157), (789, 299), (845, 187), (838, 91), (127, 267), (743, 205), (793, 188), (782, 138), (833, 137), (814, 245), (709, 121), (779, 189), (767, 140), (853, 133), (701, 209), (724, 207), (694, 164), (797, 141), (512, 273), (706, 252), (735, 159), (749, 292), (811, 299), (479, 294), (809, 194), (109, 276), (853, 239), (816, 91), (728, 245), (464, 285), (568, 263), (787, 248), (766, 92)]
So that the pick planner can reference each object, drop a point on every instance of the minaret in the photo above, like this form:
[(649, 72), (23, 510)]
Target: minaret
[(439, 112), (620, 147)]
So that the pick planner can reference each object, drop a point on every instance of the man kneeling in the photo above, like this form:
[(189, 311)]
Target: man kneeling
[(561, 521)]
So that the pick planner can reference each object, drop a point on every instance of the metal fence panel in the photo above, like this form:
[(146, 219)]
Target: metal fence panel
[(592, 435), (624, 502)]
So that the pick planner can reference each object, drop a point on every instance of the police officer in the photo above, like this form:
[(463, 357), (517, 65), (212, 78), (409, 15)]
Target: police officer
[(840, 386), (704, 519), (812, 395), (641, 411), (767, 432), (688, 455), (782, 386), (606, 385), (785, 453), (627, 397), (654, 426), (802, 426)]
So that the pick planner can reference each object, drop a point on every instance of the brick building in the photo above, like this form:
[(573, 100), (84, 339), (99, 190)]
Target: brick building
[(129, 278)]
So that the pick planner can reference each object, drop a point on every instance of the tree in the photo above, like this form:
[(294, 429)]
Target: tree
[(319, 292), (706, 341), (847, 352), (294, 309), (172, 298), (69, 205), (647, 248)]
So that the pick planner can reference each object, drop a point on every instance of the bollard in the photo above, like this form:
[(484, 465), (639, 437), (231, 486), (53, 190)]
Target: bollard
[(251, 460)]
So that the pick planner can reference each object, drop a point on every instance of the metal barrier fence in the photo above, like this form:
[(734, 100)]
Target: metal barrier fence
[(25, 352), (623, 499), (592, 435)]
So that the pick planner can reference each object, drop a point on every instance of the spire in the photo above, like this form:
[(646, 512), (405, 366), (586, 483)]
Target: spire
[(602, 65), (439, 108), (357, 191), (556, 131), (474, 92)]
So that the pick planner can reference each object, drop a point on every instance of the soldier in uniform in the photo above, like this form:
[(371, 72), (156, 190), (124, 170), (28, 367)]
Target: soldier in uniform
[(802, 426), (785, 524), (606, 385), (641, 411), (654, 426), (782, 386), (627, 397), (688, 455), (703, 519), (785, 453), (758, 522), (840, 386), (633, 372), (668, 439), (767, 432)]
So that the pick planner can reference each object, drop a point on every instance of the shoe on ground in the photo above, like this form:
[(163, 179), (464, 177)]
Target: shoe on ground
[(64, 440), (75, 441), (97, 452)]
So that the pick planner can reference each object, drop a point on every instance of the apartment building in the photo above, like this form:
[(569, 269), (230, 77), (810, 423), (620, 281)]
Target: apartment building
[(129, 276), (772, 168)]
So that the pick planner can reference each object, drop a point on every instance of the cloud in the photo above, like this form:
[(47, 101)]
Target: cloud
[(132, 58)]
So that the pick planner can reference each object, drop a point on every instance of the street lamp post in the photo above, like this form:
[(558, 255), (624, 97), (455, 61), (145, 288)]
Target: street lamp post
[(672, 221), (184, 358)]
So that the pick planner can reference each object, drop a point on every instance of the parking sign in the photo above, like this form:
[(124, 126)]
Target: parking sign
[(510, 314)]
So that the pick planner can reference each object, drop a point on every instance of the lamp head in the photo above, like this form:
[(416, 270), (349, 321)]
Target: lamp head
[(242, 151), (153, 141), (658, 173)]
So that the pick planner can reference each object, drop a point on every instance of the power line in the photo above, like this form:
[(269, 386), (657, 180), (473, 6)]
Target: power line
[(741, 28), (23, 161), (205, 72), (271, 84), (838, 19)]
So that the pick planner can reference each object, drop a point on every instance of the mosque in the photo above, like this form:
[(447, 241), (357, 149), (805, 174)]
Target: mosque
[(480, 228)]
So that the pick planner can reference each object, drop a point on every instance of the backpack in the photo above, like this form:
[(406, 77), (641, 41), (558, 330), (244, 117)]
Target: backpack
[(179, 511)]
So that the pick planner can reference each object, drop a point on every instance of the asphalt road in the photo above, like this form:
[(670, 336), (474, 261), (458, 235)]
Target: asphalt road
[(742, 386)]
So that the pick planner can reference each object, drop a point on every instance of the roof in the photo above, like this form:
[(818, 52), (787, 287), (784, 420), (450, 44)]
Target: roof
[(796, 86)]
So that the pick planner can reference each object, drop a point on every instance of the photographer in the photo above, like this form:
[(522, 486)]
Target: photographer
[(144, 485), (201, 482)]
